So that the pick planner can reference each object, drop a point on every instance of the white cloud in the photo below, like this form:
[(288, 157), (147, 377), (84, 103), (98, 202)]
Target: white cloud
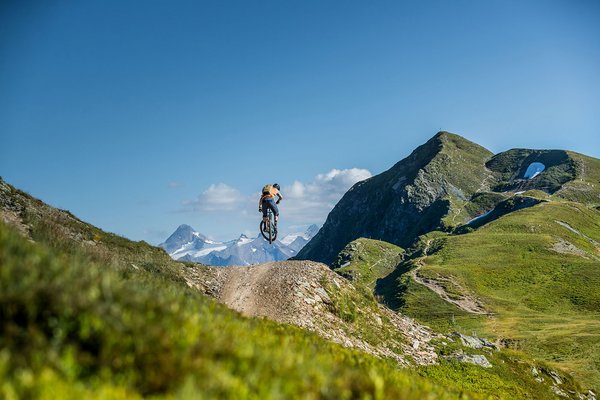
[(304, 203), (311, 202), (218, 197)]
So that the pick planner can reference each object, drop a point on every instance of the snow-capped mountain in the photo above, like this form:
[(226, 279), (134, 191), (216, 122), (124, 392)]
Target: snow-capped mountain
[(188, 245), (297, 241), (185, 241)]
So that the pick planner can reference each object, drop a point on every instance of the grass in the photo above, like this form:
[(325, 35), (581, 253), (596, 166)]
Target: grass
[(366, 260), (87, 314), (546, 304), (510, 375), (66, 233), (586, 188), (73, 329)]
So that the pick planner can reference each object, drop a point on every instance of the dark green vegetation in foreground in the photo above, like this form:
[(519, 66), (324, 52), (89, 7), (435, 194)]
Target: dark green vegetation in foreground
[(76, 329), (72, 328), (88, 314)]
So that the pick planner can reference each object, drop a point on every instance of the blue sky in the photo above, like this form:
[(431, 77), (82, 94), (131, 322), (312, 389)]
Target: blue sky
[(140, 116)]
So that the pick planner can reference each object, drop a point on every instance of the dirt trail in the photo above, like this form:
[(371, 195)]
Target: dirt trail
[(261, 290), (306, 294), (462, 299), (242, 288)]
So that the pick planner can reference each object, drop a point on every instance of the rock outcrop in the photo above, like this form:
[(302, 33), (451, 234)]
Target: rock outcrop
[(408, 200)]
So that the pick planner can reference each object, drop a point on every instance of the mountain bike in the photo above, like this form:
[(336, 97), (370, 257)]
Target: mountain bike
[(268, 227)]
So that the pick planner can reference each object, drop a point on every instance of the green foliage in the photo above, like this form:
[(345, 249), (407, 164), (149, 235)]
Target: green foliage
[(74, 329), (482, 202), (510, 376), (586, 188), (365, 260), (545, 301)]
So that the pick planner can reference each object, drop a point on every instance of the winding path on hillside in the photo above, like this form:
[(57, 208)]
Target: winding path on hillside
[(464, 301)]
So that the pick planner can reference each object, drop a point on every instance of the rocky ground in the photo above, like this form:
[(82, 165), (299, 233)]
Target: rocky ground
[(300, 293)]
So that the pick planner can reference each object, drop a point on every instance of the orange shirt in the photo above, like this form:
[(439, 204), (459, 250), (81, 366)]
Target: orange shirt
[(272, 193)]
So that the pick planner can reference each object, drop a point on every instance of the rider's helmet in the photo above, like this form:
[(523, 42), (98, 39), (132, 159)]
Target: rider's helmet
[(276, 186)]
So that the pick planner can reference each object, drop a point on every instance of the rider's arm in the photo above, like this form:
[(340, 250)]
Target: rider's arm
[(280, 197)]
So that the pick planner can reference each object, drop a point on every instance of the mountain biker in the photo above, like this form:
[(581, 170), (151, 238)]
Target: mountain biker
[(267, 200)]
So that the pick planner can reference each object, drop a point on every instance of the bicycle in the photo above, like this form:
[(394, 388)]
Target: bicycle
[(269, 232)]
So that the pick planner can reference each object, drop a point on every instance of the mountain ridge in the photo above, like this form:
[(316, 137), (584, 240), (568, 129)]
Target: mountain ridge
[(186, 244), (442, 185), (405, 201)]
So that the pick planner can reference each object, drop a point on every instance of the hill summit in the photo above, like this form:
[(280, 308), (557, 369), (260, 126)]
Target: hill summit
[(443, 185), (407, 200)]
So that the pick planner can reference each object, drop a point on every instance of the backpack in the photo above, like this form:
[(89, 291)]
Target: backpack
[(266, 189)]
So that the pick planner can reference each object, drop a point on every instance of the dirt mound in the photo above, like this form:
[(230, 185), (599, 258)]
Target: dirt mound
[(310, 295)]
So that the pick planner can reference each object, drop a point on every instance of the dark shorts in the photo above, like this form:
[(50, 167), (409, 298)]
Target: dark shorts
[(269, 203)]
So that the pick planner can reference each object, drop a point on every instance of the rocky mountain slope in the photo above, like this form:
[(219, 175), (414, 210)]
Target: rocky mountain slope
[(443, 185), (311, 296), (517, 260), (409, 199)]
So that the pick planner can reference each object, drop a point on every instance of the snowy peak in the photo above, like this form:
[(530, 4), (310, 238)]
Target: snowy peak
[(243, 239), (183, 234), (310, 232), (187, 244), (297, 241), (185, 239)]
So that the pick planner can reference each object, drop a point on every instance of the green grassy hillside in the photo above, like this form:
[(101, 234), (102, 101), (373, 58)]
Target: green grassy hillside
[(74, 329), (536, 271), (366, 260), (66, 233), (511, 374), (585, 188), (88, 314)]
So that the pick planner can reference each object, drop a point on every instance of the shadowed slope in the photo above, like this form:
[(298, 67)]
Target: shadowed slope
[(409, 199)]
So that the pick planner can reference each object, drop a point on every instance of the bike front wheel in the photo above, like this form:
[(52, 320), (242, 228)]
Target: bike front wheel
[(268, 229)]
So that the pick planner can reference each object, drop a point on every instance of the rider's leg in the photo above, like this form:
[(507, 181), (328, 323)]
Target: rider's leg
[(276, 212), (265, 208), (270, 203)]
